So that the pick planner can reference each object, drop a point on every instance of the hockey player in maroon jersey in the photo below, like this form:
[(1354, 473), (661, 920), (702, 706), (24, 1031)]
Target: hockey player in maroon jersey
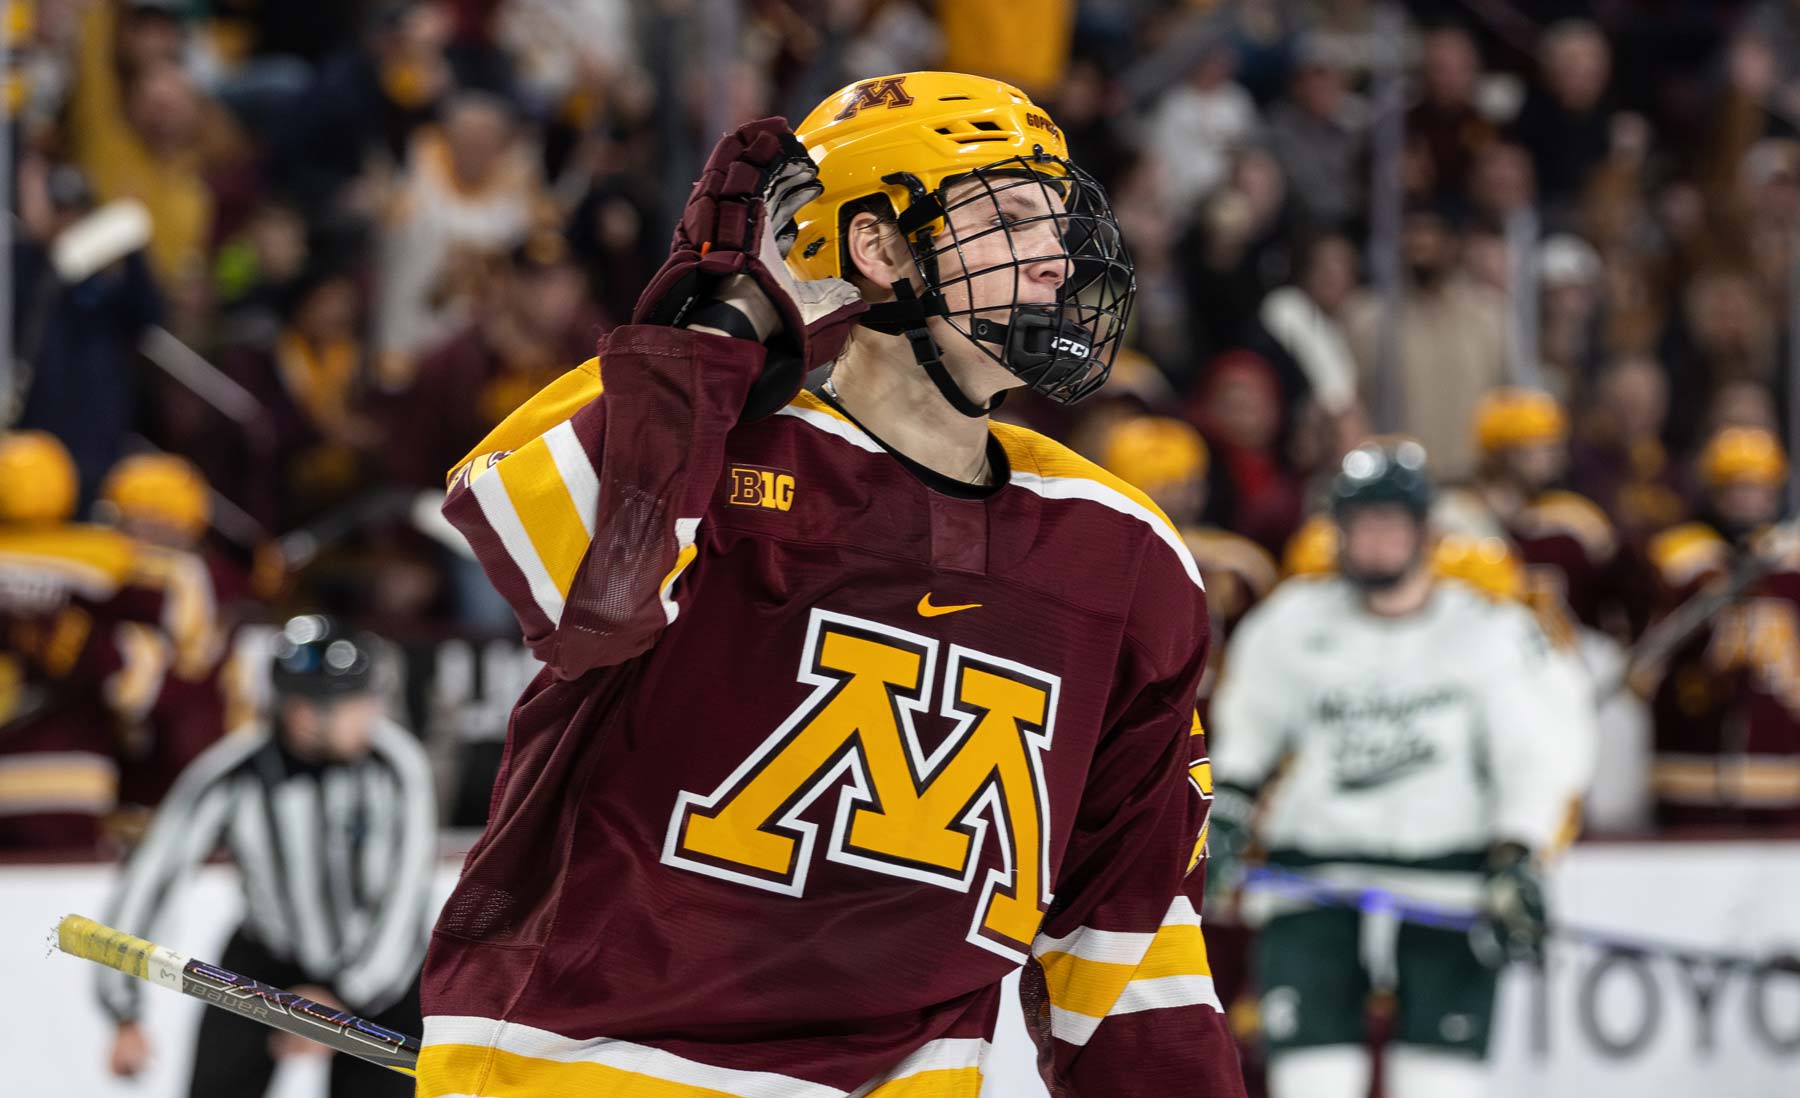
[(125, 646), (855, 700), (163, 504), (1567, 545), (1727, 704), (58, 582), (1585, 582)]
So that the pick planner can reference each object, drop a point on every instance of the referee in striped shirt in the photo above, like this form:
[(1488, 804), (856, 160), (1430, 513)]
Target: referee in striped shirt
[(329, 812)]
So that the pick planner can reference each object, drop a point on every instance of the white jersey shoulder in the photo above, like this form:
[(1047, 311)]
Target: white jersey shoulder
[(1306, 601), (1299, 599)]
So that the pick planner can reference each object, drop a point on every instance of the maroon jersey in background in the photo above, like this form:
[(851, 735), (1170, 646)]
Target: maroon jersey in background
[(58, 738), (825, 747), (1727, 708), (1636, 484), (1573, 558), (194, 599), (115, 666)]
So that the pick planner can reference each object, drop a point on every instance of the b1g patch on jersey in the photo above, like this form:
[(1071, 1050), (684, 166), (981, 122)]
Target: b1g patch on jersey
[(755, 486), (902, 811)]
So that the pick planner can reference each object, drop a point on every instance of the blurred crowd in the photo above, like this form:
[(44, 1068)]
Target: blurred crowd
[(276, 267)]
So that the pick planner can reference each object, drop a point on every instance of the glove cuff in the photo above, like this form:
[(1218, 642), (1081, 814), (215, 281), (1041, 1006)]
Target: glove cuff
[(1504, 855), (725, 318)]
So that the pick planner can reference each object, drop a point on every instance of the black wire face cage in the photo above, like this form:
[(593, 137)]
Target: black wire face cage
[(1005, 219)]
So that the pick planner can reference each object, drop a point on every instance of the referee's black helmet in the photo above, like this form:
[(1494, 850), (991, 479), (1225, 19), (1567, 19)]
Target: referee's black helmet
[(316, 657)]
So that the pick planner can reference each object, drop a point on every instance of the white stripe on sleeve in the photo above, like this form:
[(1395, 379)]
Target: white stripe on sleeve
[(576, 470), (497, 508)]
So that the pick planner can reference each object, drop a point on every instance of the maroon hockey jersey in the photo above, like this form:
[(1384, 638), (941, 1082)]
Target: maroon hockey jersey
[(59, 588), (1727, 708), (193, 600), (1575, 563), (821, 753)]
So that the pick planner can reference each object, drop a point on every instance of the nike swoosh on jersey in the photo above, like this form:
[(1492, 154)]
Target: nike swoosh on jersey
[(926, 610)]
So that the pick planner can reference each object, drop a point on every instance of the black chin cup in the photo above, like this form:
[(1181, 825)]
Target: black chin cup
[(1375, 582), (1042, 347), (906, 315)]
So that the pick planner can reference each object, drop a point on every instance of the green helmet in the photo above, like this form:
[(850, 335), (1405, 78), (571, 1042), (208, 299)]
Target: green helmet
[(1383, 472)]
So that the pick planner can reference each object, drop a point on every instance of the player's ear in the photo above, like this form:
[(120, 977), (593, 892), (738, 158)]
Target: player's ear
[(878, 252)]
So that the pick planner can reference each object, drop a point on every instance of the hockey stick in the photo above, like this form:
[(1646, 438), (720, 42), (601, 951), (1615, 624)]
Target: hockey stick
[(1380, 900), (1661, 640), (1370, 901), (339, 1030)]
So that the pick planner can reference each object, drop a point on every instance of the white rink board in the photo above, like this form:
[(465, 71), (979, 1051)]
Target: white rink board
[(1628, 1031), (1639, 1028)]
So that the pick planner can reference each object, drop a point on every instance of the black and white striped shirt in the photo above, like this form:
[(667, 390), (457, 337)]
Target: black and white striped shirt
[(335, 860)]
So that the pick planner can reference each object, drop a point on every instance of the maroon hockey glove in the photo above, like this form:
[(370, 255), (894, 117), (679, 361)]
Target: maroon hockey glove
[(739, 220)]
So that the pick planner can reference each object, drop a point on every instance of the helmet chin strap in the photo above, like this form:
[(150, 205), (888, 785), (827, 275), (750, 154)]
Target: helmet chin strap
[(1374, 583), (906, 315)]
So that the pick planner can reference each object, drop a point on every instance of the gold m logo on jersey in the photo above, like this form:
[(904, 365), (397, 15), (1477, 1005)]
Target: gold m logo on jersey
[(1200, 777), (888, 92), (901, 810)]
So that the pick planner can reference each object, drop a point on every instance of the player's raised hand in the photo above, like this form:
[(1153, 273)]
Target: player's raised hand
[(130, 1053), (730, 251)]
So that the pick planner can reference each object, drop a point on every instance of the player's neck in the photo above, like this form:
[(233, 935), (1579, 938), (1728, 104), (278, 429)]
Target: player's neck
[(898, 403), (1503, 498), (1404, 598)]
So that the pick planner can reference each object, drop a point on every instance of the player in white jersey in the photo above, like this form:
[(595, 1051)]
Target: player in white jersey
[(1430, 741)]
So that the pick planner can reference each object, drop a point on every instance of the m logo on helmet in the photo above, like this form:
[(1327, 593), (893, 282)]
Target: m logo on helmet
[(1074, 347), (887, 92)]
